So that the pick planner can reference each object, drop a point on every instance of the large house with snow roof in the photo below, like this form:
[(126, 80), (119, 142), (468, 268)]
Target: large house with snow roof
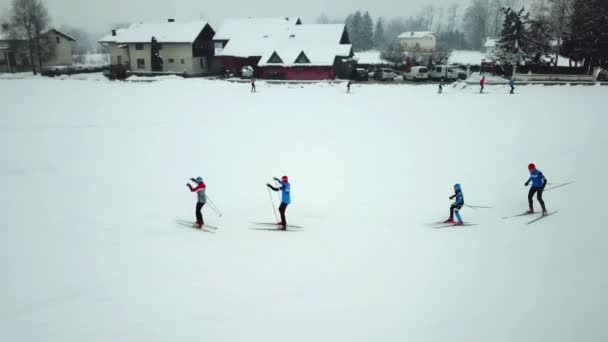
[(284, 48), (418, 41), (172, 47), (14, 52)]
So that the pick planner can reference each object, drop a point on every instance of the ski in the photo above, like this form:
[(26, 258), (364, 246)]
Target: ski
[(456, 226), (275, 224), (518, 215), (542, 217), (192, 224), (273, 229)]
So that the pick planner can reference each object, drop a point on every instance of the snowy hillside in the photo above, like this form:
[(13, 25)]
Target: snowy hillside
[(93, 177)]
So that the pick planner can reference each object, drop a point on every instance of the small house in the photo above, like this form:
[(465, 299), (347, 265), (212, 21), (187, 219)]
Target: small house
[(15, 55), (183, 48), (418, 41)]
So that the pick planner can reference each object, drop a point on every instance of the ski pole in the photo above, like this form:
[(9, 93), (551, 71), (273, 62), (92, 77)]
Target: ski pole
[(558, 186), (214, 207), (274, 210), (477, 207)]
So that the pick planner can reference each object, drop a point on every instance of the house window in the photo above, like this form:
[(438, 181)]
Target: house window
[(275, 58), (183, 61), (302, 59), (139, 46), (171, 60), (141, 63), (58, 40)]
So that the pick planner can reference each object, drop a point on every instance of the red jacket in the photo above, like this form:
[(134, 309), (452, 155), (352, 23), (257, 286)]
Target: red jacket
[(482, 81)]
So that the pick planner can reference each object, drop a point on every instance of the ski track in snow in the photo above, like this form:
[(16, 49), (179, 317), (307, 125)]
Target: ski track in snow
[(93, 177)]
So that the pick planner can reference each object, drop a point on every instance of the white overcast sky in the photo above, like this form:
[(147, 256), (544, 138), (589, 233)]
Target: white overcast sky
[(97, 15)]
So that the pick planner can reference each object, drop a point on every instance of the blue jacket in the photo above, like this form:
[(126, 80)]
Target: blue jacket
[(512, 82), (285, 188), (459, 198), (537, 179)]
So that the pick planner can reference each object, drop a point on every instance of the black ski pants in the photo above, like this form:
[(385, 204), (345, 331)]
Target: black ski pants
[(539, 196), (282, 209), (199, 214)]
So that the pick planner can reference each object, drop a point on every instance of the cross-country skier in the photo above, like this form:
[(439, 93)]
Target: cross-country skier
[(253, 85), (350, 82), (512, 85), (200, 189), (285, 189), (482, 82), (441, 83), (539, 182), (456, 206)]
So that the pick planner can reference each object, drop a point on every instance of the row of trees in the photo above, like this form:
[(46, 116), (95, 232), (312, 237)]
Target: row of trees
[(577, 29)]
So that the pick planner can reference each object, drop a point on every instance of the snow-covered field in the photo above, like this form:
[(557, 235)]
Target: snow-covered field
[(93, 176)]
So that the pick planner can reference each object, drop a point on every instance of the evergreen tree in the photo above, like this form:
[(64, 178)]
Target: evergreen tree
[(356, 37), (588, 40), (511, 37), (379, 37), (367, 32)]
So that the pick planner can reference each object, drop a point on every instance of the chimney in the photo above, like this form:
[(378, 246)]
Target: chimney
[(171, 20), (113, 32)]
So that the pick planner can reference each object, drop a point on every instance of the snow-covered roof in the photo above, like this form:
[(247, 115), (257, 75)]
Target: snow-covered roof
[(320, 43), (167, 32), (467, 57), (63, 34), (369, 57), (234, 28), (490, 43), (5, 36), (415, 34)]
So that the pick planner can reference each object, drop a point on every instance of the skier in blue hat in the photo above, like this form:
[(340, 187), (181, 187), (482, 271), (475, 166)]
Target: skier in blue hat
[(456, 206)]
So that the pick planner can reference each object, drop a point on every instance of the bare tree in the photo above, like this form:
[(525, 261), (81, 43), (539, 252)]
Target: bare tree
[(452, 14), (560, 16), (29, 18)]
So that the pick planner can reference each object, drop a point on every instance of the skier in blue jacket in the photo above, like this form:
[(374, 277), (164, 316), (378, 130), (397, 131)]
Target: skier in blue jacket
[(539, 182), (512, 85), (456, 206), (285, 189)]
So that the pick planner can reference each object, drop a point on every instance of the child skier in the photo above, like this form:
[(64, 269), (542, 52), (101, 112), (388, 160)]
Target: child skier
[(253, 85), (539, 182), (441, 83), (482, 82), (200, 189), (512, 85), (285, 189), (456, 206)]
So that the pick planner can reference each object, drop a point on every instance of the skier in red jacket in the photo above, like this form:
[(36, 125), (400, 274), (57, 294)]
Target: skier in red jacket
[(200, 190), (482, 82)]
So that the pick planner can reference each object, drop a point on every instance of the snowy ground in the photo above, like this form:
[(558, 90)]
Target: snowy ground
[(93, 176)]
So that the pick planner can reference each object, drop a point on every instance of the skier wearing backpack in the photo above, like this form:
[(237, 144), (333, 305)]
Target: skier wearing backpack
[(285, 188), (200, 190), (539, 182), (456, 206)]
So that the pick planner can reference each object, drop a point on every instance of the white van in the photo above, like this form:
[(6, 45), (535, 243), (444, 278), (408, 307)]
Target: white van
[(417, 73), (448, 72)]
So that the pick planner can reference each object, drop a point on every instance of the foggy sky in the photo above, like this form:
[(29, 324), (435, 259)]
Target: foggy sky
[(96, 16)]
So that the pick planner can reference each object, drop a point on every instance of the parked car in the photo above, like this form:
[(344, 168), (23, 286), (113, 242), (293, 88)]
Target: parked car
[(361, 74), (603, 75), (448, 72), (385, 74), (417, 73), (247, 72)]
